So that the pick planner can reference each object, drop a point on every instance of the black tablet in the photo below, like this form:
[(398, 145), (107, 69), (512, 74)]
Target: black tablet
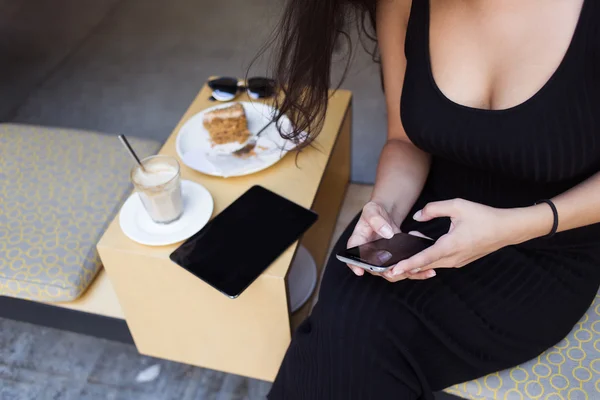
[(233, 249)]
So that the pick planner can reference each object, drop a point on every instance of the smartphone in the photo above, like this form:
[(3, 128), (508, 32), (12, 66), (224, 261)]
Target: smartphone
[(233, 249), (382, 254)]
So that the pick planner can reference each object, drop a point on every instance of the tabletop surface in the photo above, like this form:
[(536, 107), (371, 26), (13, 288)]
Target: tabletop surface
[(297, 177)]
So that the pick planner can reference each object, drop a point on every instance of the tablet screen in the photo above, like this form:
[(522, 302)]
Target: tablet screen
[(233, 249)]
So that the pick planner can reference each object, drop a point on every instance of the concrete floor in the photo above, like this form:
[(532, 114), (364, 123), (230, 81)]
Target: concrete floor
[(46, 364)]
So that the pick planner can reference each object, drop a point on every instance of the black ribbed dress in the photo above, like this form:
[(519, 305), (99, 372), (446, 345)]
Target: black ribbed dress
[(371, 339)]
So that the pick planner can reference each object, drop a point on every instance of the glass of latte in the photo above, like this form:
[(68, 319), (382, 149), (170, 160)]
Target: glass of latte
[(159, 188)]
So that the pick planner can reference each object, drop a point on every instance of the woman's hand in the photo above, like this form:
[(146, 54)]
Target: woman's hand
[(475, 231), (374, 223)]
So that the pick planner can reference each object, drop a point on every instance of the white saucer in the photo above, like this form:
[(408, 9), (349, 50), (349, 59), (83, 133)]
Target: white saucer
[(138, 226), (302, 278)]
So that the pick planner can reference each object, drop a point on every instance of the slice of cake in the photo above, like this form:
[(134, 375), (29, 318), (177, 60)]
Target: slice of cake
[(227, 125)]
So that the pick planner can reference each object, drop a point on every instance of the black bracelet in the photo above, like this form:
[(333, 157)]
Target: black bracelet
[(555, 212)]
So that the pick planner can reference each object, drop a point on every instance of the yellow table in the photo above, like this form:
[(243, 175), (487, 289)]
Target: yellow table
[(176, 316)]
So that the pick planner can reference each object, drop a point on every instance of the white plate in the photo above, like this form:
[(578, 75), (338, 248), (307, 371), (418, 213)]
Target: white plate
[(302, 278), (195, 150), (138, 226)]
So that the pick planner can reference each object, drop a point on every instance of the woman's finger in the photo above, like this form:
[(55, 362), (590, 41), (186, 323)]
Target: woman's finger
[(446, 262), (357, 271), (393, 278), (419, 234), (373, 214), (422, 260), (437, 209), (363, 233), (417, 275), (356, 240), (430, 273)]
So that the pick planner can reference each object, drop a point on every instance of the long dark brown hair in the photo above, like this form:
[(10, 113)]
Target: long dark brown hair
[(304, 43)]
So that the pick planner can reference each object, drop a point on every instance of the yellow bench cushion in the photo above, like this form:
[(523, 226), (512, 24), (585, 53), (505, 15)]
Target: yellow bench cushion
[(59, 189), (569, 371)]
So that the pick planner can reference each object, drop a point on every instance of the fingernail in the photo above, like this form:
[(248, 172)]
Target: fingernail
[(415, 271), (418, 215), (431, 273), (386, 232), (396, 272)]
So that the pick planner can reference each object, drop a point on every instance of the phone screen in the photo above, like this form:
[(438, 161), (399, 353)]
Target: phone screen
[(387, 252), (233, 249)]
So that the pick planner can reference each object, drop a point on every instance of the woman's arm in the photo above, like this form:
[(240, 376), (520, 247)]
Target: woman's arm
[(478, 230), (403, 168)]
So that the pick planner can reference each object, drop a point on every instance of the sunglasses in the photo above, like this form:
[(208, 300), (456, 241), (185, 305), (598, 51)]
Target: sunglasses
[(226, 88)]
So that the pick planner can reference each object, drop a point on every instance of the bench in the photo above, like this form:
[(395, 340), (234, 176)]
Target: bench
[(60, 188)]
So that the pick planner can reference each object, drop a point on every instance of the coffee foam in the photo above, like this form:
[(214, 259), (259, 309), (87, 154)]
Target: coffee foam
[(155, 175)]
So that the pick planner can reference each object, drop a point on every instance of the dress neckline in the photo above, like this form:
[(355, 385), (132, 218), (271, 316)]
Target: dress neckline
[(547, 85)]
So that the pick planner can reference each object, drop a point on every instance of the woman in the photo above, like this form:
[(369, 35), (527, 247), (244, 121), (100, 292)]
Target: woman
[(493, 118)]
